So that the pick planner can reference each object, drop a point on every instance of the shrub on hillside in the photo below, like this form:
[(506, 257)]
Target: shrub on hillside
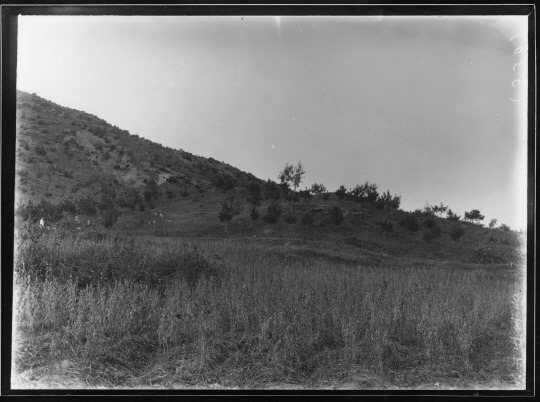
[(151, 190), (272, 190), (433, 233), (387, 226), (86, 205), (290, 219), (456, 233), (34, 212), (305, 194), (254, 213), (410, 222), (273, 212), (451, 216), (486, 255), (308, 218), (341, 192), (69, 207), (129, 197), (108, 203), (325, 196), (429, 222), (194, 266), (335, 216), (364, 192), (385, 200)]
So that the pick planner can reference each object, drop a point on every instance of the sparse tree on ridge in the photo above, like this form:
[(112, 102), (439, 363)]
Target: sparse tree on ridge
[(439, 210), (386, 200), (341, 192), (292, 176), (317, 188), (451, 216), (366, 191), (492, 223), (474, 216)]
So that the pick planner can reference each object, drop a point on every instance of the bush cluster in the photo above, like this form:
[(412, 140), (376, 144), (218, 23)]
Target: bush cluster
[(273, 212), (410, 222), (308, 218), (429, 222), (434, 232), (44, 209), (486, 255), (335, 216), (385, 200), (387, 226), (457, 232)]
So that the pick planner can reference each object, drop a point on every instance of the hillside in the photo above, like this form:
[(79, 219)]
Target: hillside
[(63, 153), (67, 157)]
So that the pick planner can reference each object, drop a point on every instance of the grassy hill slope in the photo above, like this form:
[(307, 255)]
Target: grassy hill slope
[(63, 153)]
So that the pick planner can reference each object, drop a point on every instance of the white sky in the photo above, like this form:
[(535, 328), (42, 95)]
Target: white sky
[(421, 106)]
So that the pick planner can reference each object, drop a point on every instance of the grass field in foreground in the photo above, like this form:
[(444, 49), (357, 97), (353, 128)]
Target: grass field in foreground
[(135, 312)]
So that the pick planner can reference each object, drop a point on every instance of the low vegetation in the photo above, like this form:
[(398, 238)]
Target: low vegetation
[(137, 311)]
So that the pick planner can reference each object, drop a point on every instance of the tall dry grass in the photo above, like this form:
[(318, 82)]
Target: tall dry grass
[(169, 310)]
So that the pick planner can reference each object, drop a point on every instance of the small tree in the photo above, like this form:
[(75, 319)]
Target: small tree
[(292, 176), (457, 232), (336, 216), (474, 216), (433, 232), (386, 200), (229, 209), (451, 216), (387, 225), (272, 190), (504, 228), (492, 223), (254, 194), (439, 210), (273, 212), (365, 192), (253, 214), (305, 194), (341, 192), (86, 205), (151, 190), (308, 218), (254, 198), (317, 188), (108, 204), (410, 222)]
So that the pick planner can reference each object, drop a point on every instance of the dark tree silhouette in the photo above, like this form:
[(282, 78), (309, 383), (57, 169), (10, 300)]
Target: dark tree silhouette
[(474, 216)]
